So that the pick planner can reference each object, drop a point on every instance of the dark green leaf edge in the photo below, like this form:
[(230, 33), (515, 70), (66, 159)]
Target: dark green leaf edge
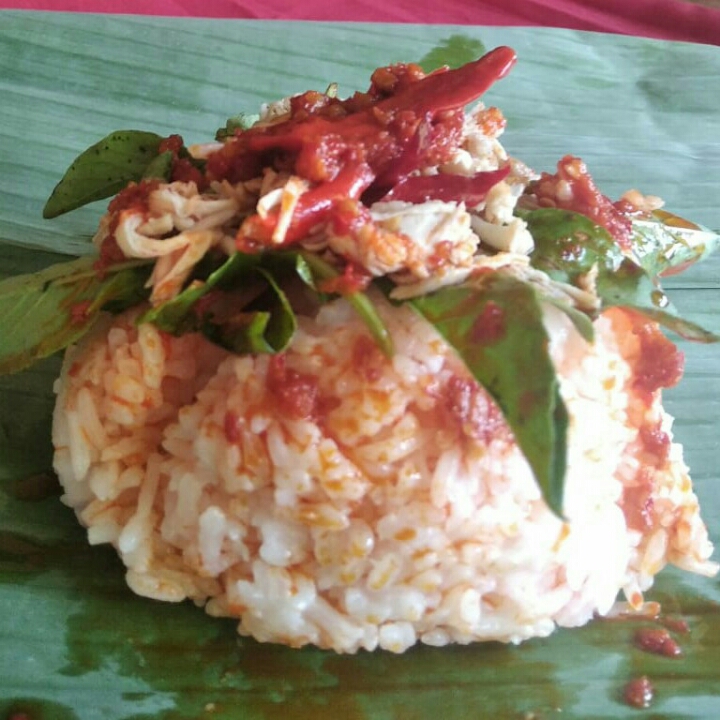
[(359, 301), (38, 309), (568, 245), (103, 170), (530, 402)]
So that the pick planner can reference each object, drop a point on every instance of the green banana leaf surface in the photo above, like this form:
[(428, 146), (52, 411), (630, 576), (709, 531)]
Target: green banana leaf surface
[(75, 643)]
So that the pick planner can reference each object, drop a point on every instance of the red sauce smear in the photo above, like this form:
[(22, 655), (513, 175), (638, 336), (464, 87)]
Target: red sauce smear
[(182, 169), (367, 359), (572, 188), (657, 641), (79, 312), (172, 143), (637, 501), (638, 504), (639, 692), (354, 278), (676, 624), (655, 442), (659, 363), (490, 326), (231, 426), (132, 199), (472, 410), (295, 394), (405, 121)]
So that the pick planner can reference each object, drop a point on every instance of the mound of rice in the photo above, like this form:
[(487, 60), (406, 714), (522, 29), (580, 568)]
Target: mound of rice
[(333, 497)]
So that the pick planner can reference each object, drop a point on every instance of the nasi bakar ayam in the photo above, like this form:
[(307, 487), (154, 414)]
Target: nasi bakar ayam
[(369, 381)]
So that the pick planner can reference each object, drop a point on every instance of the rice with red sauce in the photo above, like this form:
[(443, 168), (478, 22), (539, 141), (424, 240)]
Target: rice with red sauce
[(331, 496)]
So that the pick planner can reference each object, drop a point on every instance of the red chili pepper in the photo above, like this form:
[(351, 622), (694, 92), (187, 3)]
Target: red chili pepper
[(450, 89), (312, 208), (350, 182), (446, 187), (378, 146), (440, 91)]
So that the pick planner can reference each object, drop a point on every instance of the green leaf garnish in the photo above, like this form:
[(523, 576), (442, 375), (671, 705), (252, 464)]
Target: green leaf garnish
[(496, 327), (582, 323), (241, 121), (455, 51), (268, 331), (159, 167), (631, 287), (243, 308), (359, 301), (48, 310), (175, 316), (103, 170), (665, 242), (569, 245)]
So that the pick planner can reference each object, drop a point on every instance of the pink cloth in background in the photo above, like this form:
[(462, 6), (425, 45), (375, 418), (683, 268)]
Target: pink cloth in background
[(667, 19)]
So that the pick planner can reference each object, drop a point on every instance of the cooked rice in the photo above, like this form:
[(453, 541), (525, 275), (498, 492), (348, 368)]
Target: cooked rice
[(397, 509)]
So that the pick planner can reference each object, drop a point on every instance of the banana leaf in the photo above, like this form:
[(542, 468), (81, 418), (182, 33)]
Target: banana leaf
[(76, 643)]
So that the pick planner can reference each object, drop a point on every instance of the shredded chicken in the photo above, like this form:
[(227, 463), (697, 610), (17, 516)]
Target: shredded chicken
[(421, 246), (416, 239)]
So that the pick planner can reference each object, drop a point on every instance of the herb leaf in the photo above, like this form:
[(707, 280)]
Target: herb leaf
[(175, 316), (568, 245), (48, 310), (666, 242), (583, 324), (497, 330), (159, 167), (103, 170), (241, 121), (240, 307), (631, 287), (454, 51), (360, 302), (268, 331)]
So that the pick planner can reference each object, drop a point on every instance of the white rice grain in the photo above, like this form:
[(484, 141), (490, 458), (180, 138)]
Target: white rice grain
[(381, 518)]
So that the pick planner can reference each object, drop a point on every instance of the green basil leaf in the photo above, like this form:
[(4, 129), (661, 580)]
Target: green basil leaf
[(103, 170), (497, 330), (245, 333), (359, 301), (665, 242), (453, 52), (177, 316), (583, 324), (568, 245), (631, 287), (241, 121), (48, 310), (246, 313), (304, 272), (267, 331), (159, 167)]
